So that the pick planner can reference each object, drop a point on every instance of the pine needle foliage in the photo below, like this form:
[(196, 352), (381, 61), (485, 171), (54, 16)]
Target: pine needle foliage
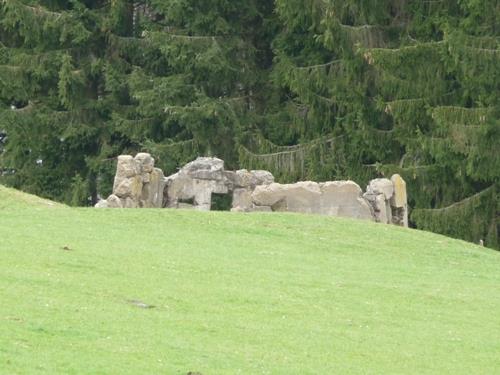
[(82, 82), (308, 89), (413, 88)]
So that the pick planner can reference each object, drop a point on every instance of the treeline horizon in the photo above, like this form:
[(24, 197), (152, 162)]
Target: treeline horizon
[(307, 89)]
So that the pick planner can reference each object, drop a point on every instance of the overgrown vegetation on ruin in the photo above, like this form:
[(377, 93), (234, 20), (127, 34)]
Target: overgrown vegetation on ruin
[(308, 89)]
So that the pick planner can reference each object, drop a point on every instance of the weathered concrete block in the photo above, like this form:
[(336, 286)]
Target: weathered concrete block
[(126, 167), (267, 195), (101, 204), (203, 195), (144, 162), (281, 205), (242, 199), (129, 203), (152, 192), (337, 193), (230, 179), (365, 211), (205, 168), (128, 187), (145, 178), (300, 197), (399, 198), (179, 187), (262, 177), (137, 179), (303, 197), (157, 184), (383, 213), (243, 179), (338, 198), (381, 186), (114, 202), (247, 179), (343, 198)]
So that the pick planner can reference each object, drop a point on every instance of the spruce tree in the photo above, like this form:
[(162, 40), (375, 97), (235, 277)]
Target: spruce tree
[(48, 69), (186, 80), (394, 87), (82, 82), (308, 89)]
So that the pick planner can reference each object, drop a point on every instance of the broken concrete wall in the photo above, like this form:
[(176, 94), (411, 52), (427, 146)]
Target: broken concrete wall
[(388, 200), (138, 184), (335, 198), (198, 180), (195, 183)]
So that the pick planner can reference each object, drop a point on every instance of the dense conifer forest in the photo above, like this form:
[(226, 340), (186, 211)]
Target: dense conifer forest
[(307, 89)]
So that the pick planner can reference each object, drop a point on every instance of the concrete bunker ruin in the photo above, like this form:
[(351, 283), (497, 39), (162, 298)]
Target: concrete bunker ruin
[(205, 178), (205, 185)]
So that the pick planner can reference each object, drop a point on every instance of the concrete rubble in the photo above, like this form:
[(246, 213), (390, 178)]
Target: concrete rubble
[(139, 184), (388, 200)]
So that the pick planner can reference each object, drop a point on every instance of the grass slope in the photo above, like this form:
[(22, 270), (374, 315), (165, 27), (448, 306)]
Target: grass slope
[(11, 198), (235, 293)]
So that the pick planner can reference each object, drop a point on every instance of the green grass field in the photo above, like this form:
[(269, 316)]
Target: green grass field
[(88, 291)]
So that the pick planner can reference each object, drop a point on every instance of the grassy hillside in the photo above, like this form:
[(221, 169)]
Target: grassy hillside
[(87, 291), (11, 198)]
